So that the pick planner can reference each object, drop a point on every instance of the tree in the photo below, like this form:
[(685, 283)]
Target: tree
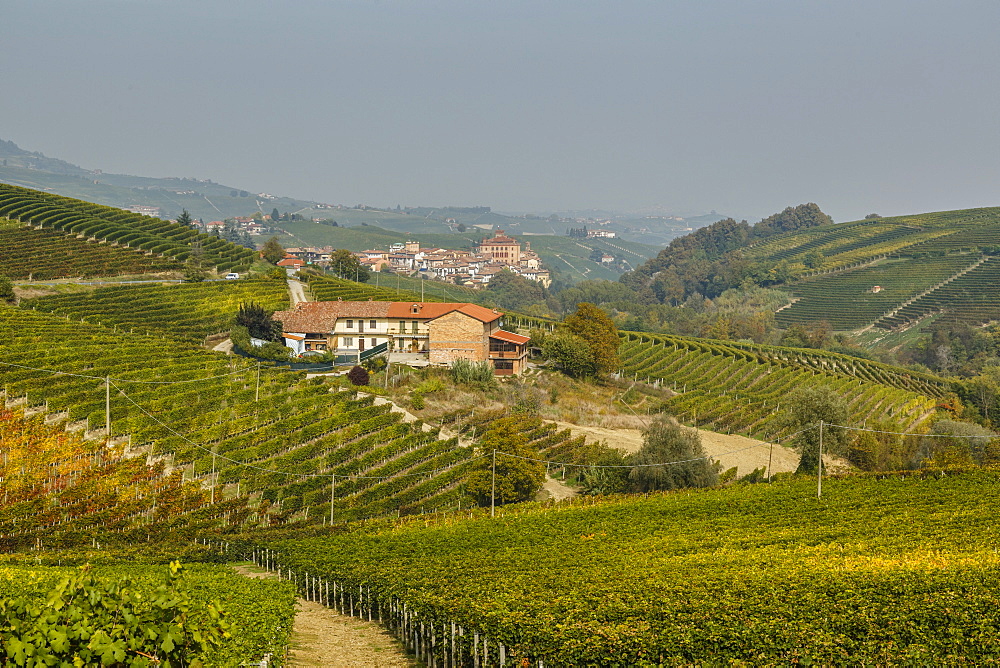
[(272, 251), (185, 219), (952, 443), (665, 442), (259, 322), (516, 479), (806, 406), (813, 259), (274, 214), (514, 292), (347, 265), (594, 326), (570, 354)]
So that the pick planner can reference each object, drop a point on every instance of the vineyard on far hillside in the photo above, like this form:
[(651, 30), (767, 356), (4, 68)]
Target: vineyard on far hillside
[(188, 311), (854, 299), (39, 254), (154, 236), (740, 387), (881, 570)]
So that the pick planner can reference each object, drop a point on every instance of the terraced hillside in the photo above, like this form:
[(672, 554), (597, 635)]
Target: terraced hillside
[(740, 387), (114, 226), (845, 244), (934, 263), (39, 254), (855, 299), (275, 432), (189, 311)]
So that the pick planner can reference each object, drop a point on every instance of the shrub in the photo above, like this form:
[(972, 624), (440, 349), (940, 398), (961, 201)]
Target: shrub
[(466, 371), (358, 376)]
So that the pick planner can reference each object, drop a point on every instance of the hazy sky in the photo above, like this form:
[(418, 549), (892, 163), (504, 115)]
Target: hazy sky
[(742, 107)]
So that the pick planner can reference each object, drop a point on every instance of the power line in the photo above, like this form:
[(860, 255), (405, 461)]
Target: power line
[(126, 380)]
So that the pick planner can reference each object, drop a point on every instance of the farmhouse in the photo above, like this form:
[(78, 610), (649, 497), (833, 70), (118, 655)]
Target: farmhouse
[(412, 331)]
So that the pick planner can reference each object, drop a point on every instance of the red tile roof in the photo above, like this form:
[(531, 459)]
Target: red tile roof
[(510, 337), (430, 311), (322, 316)]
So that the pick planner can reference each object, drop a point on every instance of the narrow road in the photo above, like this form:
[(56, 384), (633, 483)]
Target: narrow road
[(297, 291), (324, 637)]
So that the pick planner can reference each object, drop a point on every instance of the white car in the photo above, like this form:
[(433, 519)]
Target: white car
[(232, 276)]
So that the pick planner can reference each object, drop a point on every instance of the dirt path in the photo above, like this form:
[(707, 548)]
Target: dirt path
[(224, 346), (324, 637), (296, 291), (746, 454), (558, 490)]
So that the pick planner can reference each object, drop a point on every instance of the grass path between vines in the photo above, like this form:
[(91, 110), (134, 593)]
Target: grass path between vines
[(324, 637)]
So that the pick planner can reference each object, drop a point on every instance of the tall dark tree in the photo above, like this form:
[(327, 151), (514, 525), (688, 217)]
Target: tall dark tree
[(185, 219), (274, 214), (259, 322)]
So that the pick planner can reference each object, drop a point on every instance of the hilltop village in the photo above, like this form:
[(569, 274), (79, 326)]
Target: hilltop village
[(470, 268)]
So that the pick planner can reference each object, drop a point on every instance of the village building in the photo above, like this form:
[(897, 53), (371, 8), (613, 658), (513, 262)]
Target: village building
[(432, 333), (501, 248)]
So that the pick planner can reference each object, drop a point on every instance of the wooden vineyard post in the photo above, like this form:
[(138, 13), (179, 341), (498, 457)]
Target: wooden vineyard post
[(257, 392)]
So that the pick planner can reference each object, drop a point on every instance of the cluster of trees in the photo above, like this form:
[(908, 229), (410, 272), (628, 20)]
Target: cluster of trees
[(586, 345), (708, 260)]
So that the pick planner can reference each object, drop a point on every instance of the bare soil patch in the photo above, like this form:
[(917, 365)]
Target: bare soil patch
[(324, 637), (730, 450)]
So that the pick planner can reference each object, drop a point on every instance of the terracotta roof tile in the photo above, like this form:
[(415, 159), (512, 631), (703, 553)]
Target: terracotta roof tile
[(510, 337)]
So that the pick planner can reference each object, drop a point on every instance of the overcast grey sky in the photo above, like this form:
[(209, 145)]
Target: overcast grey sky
[(742, 107)]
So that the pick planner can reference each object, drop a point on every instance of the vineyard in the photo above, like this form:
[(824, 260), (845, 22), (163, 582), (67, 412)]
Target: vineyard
[(739, 387), (189, 311), (71, 608), (270, 433), (40, 254), (759, 574), (849, 301), (153, 236)]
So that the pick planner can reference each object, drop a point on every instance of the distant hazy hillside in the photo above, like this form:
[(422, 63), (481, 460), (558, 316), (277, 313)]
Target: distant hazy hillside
[(202, 198)]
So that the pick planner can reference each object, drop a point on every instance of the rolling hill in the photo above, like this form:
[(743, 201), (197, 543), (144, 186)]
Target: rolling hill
[(892, 273)]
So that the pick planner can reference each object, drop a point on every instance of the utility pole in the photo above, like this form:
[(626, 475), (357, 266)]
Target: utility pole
[(770, 452), (819, 464), (257, 394), (493, 494), (213, 475), (333, 490)]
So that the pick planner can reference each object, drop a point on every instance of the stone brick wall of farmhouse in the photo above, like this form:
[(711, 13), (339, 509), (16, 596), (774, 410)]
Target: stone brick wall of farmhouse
[(456, 336)]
